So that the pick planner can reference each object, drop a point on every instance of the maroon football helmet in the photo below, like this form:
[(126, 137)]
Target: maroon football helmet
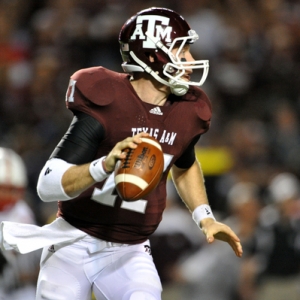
[(156, 32)]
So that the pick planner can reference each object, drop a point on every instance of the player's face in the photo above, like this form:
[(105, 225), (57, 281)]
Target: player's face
[(9, 196), (185, 56)]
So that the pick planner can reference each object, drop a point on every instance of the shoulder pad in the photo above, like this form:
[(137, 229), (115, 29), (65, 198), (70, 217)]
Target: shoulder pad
[(94, 83), (201, 101)]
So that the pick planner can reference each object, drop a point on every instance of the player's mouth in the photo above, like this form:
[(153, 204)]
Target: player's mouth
[(186, 77)]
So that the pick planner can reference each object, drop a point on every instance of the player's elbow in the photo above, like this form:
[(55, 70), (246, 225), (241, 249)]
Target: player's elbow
[(49, 187), (50, 193), (44, 193)]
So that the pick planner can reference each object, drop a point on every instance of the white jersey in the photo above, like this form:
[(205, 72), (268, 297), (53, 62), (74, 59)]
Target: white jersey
[(20, 212), (18, 265)]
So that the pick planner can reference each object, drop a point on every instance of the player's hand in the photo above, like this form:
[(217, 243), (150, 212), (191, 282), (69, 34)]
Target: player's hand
[(216, 230), (117, 152)]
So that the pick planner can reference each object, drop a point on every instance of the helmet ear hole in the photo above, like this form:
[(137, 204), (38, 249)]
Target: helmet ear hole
[(152, 57)]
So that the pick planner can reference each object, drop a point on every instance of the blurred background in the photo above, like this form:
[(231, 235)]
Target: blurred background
[(250, 156)]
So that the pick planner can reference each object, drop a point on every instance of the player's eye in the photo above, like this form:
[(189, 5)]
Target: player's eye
[(185, 50)]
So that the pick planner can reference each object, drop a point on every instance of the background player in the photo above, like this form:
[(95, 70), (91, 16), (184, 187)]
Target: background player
[(18, 273)]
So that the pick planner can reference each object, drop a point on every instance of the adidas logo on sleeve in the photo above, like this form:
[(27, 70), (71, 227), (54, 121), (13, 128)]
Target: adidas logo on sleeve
[(156, 111)]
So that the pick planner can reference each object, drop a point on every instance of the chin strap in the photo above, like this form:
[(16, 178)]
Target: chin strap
[(178, 89)]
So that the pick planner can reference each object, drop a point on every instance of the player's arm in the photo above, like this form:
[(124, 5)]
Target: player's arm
[(71, 168), (189, 182), (70, 159), (78, 178)]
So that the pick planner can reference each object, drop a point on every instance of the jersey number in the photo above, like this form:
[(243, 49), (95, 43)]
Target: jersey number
[(70, 91), (108, 196)]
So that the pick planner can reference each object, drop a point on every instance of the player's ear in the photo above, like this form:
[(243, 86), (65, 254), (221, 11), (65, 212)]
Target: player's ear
[(151, 58)]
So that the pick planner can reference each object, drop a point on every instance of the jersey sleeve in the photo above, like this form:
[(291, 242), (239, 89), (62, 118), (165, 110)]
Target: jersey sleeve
[(201, 101), (94, 91), (80, 143), (87, 87), (188, 157)]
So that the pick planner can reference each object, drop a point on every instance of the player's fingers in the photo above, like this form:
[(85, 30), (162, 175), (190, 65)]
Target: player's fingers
[(138, 138), (118, 151), (231, 238), (237, 248), (223, 233), (143, 134), (227, 235), (131, 142), (230, 233), (209, 237), (120, 146)]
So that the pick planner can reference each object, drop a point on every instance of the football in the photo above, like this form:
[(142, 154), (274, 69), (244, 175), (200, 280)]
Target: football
[(140, 172)]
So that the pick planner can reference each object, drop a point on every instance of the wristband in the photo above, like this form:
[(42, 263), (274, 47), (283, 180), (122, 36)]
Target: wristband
[(97, 171), (201, 212)]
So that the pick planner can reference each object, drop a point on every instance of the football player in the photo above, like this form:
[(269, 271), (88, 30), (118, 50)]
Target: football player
[(99, 242), (18, 273)]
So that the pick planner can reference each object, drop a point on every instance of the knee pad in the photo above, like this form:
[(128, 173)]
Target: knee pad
[(141, 295), (48, 290)]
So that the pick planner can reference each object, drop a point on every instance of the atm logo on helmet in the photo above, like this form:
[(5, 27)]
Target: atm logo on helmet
[(154, 25)]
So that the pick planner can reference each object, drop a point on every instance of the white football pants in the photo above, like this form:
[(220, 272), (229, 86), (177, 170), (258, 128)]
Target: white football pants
[(111, 271)]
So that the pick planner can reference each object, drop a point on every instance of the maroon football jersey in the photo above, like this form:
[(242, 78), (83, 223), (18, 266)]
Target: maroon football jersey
[(110, 98)]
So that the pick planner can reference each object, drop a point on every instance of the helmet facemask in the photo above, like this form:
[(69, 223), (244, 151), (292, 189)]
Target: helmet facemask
[(176, 68)]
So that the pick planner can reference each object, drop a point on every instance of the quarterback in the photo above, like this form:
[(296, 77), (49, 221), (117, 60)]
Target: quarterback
[(99, 242)]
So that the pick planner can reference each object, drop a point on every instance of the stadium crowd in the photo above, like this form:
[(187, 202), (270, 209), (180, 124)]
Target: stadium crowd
[(250, 155)]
